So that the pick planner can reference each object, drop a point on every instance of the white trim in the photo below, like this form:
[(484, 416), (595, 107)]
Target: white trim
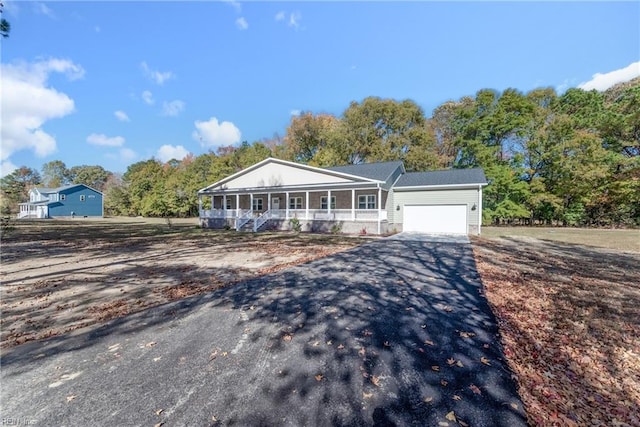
[(292, 164), (479, 209), (427, 187), (312, 187), (306, 206)]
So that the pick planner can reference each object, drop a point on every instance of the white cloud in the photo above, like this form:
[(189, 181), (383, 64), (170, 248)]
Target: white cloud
[(212, 133), (173, 108), (294, 112), (147, 97), (122, 116), (6, 167), (28, 102), (236, 5), (43, 9), (601, 82), (104, 140), (294, 20), (158, 77), (169, 152), (242, 23)]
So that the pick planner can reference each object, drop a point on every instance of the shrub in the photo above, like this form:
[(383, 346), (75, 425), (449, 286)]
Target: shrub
[(295, 225)]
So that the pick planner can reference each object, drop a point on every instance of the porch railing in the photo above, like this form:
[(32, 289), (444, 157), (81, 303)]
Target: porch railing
[(243, 219), (314, 214), (259, 221)]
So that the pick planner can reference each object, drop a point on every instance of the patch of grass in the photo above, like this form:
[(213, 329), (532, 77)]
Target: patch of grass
[(624, 240)]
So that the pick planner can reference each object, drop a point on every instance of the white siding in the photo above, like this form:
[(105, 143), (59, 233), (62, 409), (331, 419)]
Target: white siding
[(469, 197), (275, 175)]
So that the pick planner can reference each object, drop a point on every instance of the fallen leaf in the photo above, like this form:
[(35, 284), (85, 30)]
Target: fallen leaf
[(155, 359), (428, 342), (287, 337), (150, 344), (459, 364), (362, 351), (475, 389), (435, 368), (451, 361), (443, 423), (444, 383), (485, 361), (423, 326), (160, 424), (514, 406), (315, 344), (319, 377), (451, 416), (341, 346), (386, 344), (224, 353), (464, 334), (367, 395), (462, 423), (70, 398), (375, 381), (329, 342), (456, 397), (427, 399), (159, 411)]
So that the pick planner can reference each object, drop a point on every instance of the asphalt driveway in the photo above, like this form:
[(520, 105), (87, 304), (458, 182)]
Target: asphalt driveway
[(394, 332)]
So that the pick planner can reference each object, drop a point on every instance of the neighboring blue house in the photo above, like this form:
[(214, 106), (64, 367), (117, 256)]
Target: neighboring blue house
[(76, 200)]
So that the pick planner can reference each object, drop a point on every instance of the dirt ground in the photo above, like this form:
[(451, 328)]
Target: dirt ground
[(569, 318), (58, 277)]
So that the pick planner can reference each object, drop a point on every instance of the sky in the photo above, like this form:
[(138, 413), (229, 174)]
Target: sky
[(114, 83)]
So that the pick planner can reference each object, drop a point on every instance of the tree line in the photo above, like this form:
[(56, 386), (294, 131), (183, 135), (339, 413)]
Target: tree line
[(570, 159)]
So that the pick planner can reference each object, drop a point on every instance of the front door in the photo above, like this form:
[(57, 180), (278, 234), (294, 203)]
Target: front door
[(275, 206)]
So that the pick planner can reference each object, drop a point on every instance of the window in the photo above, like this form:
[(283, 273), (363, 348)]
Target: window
[(367, 202), (62, 196), (323, 202), (257, 204), (295, 202), (82, 197), (229, 204)]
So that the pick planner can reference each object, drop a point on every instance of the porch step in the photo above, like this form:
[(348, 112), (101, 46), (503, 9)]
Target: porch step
[(248, 226)]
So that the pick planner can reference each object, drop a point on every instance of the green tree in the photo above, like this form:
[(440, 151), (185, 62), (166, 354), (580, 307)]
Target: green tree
[(94, 176), (384, 129), (15, 187), (55, 174), (5, 26)]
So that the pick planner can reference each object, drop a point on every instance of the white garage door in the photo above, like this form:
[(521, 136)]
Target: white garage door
[(450, 219)]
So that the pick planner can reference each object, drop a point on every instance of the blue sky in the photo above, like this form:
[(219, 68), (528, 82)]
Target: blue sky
[(113, 83)]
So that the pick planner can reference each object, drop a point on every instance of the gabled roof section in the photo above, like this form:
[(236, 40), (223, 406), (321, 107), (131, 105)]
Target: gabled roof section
[(442, 178), (379, 171), (43, 190), (273, 172)]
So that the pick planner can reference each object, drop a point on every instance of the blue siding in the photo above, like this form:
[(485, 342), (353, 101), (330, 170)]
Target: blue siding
[(90, 206)]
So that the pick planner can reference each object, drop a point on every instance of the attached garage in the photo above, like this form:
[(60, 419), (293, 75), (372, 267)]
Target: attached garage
[(440, 202), (445, 219)]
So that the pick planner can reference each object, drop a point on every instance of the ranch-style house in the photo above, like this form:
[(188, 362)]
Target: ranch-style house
[(372, 198)]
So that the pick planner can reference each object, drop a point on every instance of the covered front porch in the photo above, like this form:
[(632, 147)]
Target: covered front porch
[(254, 210)]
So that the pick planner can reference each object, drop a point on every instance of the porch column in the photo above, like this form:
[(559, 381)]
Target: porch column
[(212, 202), (200, 206), (268, 202), (224, 204), (306, 205), (353, 204), (251, 201), (379, 207), (329, 202), (286, 205), (237, 205)]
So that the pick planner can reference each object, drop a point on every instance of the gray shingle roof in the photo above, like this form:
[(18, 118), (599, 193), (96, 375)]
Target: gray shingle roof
[(379, 171), (442, 177)]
